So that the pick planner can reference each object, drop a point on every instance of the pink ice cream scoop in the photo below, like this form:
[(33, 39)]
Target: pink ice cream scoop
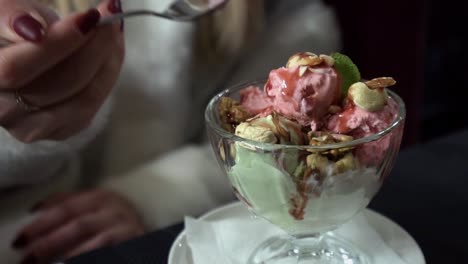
[(255, 101), (305, 98), (358, 122)]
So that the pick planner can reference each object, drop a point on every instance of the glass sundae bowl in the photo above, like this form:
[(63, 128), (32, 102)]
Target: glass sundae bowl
[(306, 190)]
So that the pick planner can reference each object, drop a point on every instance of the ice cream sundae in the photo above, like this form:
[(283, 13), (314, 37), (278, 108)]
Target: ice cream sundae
[(316, 108)]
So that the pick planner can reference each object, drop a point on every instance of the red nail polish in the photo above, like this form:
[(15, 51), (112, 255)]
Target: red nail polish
[(115, 6), (88, 21), (28, 28), (20, 242)]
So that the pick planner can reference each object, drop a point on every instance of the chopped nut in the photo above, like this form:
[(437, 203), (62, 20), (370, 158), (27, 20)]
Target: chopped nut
[(231, 113), (286, 131), (231, 148), (371, 100), (304, 59), (292, 61), (256, 133), (322, 140), (239, 114), (346, 163), (223, 152), (299, 171), (313, 134), (342, 138), (328, 137), (328, 60), (335, 152), (317, 162), (302, 70), (381, 82)]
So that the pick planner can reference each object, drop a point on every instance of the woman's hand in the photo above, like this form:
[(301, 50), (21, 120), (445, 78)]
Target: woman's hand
[(24, 20), (70, 224), (52, 86)]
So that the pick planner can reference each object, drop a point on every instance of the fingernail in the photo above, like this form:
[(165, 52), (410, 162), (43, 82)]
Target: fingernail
[(29, 260), (115, 6), (88, 21), (20, 242), (28, 28)]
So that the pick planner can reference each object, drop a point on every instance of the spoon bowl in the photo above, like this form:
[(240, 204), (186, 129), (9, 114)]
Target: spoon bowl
[(180, 10)]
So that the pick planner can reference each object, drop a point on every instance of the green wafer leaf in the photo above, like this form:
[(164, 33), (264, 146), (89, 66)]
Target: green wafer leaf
[(347, 69)]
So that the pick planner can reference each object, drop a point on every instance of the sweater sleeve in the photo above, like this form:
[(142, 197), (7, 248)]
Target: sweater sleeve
[(184, 182), (22, 163)]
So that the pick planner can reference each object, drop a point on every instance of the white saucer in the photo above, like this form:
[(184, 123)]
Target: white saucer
[(392, 234)]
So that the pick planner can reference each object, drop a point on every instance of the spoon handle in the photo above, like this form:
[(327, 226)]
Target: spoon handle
[(132, 13), (109, 20)]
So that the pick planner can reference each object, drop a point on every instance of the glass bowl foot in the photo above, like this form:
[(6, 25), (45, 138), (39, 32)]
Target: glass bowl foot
[(325, 249)]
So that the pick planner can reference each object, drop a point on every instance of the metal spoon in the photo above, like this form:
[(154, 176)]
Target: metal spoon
[(180, 10)]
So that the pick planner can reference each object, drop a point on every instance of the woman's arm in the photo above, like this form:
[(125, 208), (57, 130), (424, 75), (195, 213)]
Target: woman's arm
[(38, 69)]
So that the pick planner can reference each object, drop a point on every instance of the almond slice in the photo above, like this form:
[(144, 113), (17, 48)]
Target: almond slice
[(302, 70), (328, 60), (381, 82), (304, 59)]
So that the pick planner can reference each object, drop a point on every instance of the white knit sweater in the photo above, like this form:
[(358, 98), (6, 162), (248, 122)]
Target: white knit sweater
[(144, 157)]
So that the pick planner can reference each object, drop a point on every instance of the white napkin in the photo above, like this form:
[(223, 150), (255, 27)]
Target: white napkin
[(232, 240)]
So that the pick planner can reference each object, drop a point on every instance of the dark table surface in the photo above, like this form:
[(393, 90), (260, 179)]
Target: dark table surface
[(426, 194)]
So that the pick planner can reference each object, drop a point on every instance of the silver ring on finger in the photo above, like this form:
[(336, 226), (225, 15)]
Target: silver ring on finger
[(24, 104)]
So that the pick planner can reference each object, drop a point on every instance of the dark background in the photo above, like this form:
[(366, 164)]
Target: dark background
[(426, 193), (422, 44), (446, 71)]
